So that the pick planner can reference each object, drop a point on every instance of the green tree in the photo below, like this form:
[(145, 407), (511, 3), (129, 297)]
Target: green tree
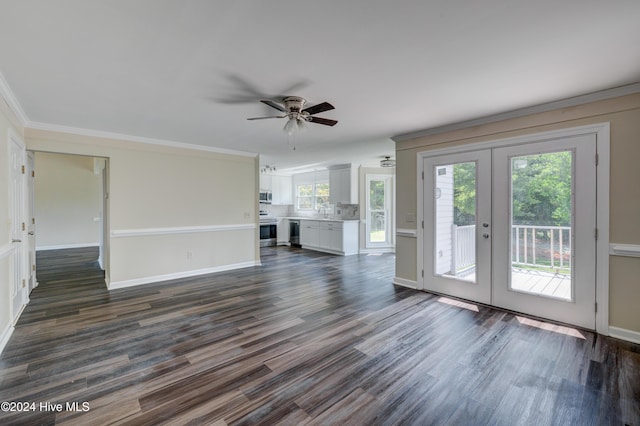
[(464, 194), (541, 189)]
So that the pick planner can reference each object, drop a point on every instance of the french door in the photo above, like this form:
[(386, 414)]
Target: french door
[(514, 227)]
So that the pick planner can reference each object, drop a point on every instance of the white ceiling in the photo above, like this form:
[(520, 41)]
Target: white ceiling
[(193, 71)]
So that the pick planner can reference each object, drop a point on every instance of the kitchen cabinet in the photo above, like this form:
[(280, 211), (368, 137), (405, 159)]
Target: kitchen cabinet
[(337, 237), (282, 189), (283, 231), (343, 184), (265, 183)]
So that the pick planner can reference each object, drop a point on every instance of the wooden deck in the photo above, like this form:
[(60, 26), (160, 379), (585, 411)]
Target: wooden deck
[(542, 283), (535, 282)]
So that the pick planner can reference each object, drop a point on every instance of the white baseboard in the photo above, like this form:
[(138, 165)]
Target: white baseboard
[(379, 250), (405, 283), (624, 334), (67, 246), (4, 337), (186, 274)]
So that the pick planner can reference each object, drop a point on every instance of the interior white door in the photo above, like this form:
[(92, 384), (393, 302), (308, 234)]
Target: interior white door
[(457, 225), (18, 226), (544, 242)]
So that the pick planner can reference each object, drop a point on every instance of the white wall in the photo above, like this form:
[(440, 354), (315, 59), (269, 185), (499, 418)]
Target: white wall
[(173, 211), (68, 199)]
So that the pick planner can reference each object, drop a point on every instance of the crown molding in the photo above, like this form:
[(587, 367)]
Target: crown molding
[(129, 138), (601, 95), (8, 95)]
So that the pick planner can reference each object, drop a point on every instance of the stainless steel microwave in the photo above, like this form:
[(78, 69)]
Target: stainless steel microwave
[(265, 197)]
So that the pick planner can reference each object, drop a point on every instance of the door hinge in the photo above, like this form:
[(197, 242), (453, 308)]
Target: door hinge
[(423, 273), (22, 168), (597, 159), (24, 227), (33, 173), (33, 267), (24, 283), (596, 233), (596, 307), (423, 224), (422, 175), (33, 220)]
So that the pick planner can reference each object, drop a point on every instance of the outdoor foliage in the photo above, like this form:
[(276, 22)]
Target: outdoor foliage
[(541, 187)]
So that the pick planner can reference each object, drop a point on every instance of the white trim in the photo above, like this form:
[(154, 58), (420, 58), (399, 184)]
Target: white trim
[(629, 250), (403, 282), (602, 132), (12, 101), (378, 250), (178, 275), (143, 232), (6, 250), (624, 334), (130, 138), (5, 336), (404, 232), (522, 112), (67, 246)]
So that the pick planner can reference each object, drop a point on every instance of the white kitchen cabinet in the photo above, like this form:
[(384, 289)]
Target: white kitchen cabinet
[(265, 183), (282, 190), (343, 184), (335, 237), (309, 236), (283, 231)]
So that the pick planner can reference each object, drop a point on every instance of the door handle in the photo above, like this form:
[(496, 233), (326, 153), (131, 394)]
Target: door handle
[(32, 233), (485, 235), (16, 241)]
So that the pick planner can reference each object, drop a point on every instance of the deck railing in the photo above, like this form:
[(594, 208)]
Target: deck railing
[(542, 246), (546, 247)]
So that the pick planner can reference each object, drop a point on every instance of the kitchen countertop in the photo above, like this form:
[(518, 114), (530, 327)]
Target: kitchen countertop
[(320, 219)]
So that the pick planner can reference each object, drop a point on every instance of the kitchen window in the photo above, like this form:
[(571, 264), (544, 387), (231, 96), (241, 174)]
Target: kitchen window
[(312, 196)]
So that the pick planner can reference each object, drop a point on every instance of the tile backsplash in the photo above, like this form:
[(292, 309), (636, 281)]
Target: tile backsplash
[(337, 211)]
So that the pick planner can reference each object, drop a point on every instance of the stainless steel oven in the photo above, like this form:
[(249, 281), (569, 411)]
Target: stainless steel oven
[(268, 232)]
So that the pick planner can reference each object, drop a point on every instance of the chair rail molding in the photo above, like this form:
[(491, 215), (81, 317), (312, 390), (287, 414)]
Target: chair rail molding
[(141, 232), (628, 250)]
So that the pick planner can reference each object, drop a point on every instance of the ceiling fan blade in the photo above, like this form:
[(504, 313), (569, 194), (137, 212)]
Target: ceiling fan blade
[(325, 106), (325, 121), (273, 104), (263, 118)]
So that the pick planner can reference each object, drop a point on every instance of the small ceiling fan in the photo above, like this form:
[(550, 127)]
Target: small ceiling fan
[(293, 108)]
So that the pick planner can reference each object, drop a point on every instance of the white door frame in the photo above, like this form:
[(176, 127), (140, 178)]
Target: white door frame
[(602, 133), (389, 219)]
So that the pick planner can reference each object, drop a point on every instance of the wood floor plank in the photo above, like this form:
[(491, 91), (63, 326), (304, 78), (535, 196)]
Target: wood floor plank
[(306, 338)]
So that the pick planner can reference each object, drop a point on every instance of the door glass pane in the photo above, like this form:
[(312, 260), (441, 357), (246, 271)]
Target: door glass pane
[(541, 212), (377, 212), (455, 221)]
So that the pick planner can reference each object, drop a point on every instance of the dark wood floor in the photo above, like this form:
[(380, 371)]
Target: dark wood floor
[(306, 339)]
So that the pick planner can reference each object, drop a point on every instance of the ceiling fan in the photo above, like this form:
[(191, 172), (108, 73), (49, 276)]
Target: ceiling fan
[(293, 109)]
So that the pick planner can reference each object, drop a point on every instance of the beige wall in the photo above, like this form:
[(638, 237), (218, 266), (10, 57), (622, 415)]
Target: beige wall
[(159, 191), (7, 121), (69, 197), (623, 114)]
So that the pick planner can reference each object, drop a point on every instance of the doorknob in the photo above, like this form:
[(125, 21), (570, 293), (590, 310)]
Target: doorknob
[(485, 235), (485, 225), (31, 233), (16, 241)]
